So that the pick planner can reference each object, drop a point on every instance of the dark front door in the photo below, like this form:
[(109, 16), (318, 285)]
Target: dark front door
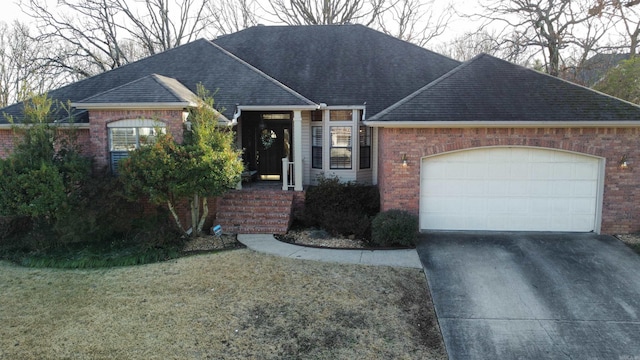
[(267, 139)]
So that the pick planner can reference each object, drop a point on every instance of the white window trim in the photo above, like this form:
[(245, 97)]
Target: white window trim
[(354, 123), (136, 123)]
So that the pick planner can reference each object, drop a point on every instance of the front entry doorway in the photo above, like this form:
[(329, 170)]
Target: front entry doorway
[(266, 139)]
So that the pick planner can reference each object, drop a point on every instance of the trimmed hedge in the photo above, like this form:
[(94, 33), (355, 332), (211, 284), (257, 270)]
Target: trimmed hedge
[(341, 208), (394, 228)]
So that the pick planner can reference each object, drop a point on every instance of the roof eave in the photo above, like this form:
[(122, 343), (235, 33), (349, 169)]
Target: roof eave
[(59, 125), (136, 106), (502, 124), (277, 107)]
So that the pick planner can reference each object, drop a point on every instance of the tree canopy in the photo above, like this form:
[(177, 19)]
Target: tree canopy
[(42, 176), (206, 164), (623, 81)]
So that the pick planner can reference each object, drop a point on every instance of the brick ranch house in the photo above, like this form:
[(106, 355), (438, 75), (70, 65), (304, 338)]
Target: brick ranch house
[(481, 145)]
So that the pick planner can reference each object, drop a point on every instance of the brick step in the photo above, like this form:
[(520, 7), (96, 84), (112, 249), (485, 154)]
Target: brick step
[(249, 206), (255, 203), (257, 195), (254, 214), (256, 221), (260, 212)]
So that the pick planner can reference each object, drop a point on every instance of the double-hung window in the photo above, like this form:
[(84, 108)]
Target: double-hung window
[(316, 147), (365, 147), (340, 128), (340, 157), (129, 135)]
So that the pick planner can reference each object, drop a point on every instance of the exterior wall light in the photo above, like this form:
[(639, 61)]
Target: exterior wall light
[(404, 160), (623, 163)]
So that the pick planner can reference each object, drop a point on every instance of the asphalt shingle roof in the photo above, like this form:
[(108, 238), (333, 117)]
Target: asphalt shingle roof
[(339, 64), (153, 88), (232, 80), (344, 65), (489, 89)]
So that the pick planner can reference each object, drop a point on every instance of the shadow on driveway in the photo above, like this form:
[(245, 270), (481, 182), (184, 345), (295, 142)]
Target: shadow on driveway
[(517, 295)]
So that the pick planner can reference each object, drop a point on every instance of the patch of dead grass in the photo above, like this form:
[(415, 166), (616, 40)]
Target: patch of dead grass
[(229, 305)]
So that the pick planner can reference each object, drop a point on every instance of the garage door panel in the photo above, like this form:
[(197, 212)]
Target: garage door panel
[(509, 189), (585, 188), (584, 171), (582, 206)]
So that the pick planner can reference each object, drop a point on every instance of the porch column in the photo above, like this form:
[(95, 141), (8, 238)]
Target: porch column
[(297, 150)]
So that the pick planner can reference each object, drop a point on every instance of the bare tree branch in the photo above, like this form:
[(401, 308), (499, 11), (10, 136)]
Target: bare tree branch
[(548, 25), (229, 16), (325, 12), (94, 36), (414, 20)]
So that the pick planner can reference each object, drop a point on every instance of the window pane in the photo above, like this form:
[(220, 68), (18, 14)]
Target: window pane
[(341, 158), (148, 135), (341, 136), (340, 115), (365, 147), (123, 139), (316, 147), (340, 147), (316, 115), (285, 116)]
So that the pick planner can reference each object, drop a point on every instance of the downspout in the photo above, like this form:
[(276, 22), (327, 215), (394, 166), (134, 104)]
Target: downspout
[(236, 116), (364, 112)]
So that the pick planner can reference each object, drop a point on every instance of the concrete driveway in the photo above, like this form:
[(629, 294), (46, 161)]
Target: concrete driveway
[(534, 295)]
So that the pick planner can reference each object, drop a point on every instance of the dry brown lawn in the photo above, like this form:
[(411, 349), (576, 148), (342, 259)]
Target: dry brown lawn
[(230, 305)]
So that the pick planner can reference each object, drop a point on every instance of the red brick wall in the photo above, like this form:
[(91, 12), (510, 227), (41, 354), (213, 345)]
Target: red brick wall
[(400, 186), (8, 141), (100, 118)]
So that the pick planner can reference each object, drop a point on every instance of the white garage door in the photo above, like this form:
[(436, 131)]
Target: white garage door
[(518, 189)]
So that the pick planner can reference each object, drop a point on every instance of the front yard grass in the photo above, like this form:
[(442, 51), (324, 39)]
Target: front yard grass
[(228, 305)]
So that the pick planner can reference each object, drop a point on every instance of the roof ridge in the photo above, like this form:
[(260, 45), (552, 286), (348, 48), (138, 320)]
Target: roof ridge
[(160, 79), (104, 73), (261, 73), (118, 88), (362, 26), (427, 86)]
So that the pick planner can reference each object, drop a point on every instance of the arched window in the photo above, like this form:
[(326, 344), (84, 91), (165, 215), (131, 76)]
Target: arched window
[(128, 135)]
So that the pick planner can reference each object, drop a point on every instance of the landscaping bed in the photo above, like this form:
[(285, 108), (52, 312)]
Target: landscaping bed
[(631, 240)]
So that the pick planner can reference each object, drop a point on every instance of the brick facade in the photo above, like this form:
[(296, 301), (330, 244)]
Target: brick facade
[(8, 141), (400, 186), (100, 118)]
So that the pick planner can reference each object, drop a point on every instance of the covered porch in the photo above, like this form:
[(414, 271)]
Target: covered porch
[(271, 141)]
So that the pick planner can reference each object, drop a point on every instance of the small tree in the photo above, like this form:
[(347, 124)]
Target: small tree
[(206, 164), (41, 178)]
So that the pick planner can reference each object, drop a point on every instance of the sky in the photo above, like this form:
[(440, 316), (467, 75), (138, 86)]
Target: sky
[(10, 11)]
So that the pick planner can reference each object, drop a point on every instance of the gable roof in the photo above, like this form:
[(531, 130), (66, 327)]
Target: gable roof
[(230, 79), (151, 89), (489, 90), (339, 64)]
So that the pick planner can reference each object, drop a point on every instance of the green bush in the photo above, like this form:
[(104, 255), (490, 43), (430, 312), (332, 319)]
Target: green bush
[(394, 228), (341, 208), (108, 214)]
